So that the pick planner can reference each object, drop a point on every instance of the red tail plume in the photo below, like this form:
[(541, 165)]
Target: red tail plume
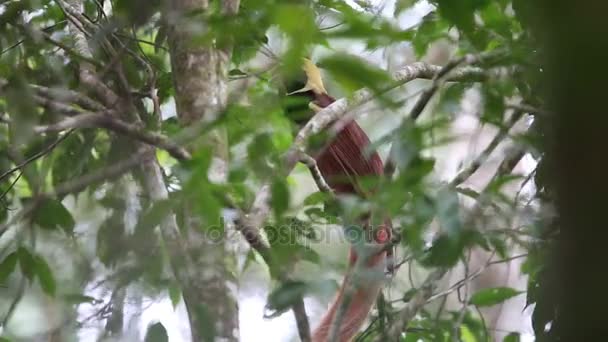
[(341, 164)]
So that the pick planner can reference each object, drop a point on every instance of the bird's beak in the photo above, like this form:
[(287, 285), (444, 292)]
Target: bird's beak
[(303, 90)]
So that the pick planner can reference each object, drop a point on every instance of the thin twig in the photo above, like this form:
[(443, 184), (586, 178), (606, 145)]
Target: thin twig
[(78, 184), (464, 174), (311, 163), (425, 293), (67, 95), (299, 311), (444, 74), (10, 187), (67, 49), (527, 108), (87, 73), (406, 314), (34, 157), (465, 302), (89, 120), (14, 302), (468, 278)]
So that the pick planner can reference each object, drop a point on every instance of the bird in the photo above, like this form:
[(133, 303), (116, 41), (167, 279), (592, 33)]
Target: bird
[(342, 163)]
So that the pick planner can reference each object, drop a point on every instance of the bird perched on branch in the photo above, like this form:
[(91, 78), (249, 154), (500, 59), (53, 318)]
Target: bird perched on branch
[(343, 162)]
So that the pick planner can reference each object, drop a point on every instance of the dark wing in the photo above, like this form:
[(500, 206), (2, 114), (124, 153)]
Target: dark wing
[(344, 160)]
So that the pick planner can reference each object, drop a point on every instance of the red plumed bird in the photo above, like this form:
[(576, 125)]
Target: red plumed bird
[(342, 163)]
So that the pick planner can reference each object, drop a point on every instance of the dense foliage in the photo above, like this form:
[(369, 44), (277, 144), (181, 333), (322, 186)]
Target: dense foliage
[(76, 214)]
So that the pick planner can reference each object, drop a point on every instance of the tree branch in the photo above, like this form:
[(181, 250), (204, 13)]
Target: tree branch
[(89, 120), (311, 163), (87, 75), (67, 95), (255, 240), (34, 157), (79, 184), (485, 154)]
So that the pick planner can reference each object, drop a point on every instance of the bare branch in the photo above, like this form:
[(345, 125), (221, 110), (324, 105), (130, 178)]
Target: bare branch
[(311, 163), (299, 312), (62, 46), (87, 71), (112, 123), (67, 95), (485, 154), (527, 108), (109, 172), (441, 76)]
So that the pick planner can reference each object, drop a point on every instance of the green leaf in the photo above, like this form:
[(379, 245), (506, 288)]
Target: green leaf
[(7, 267), (165, 87), (156, 333), (280, 197), (175, 293), (33, 265), (316, 198), (494, 18), (110, 242), (432, 28), (283, 297), (76, 157), (461, 12), (236, 72), (448, 212), (354, 73), (155, 215), (161, 37), (45, 276), (297, 21), (27, 263), (466, 335), (493, 296), (258, 153), (512, 337), (51, 214), (445, 252)]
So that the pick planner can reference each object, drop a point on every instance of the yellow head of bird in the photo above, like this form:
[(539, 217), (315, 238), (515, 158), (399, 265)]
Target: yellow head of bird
[(313, 79)]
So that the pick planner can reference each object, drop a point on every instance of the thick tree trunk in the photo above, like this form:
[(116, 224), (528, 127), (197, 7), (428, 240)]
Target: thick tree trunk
[(575, 33), (200, 80)]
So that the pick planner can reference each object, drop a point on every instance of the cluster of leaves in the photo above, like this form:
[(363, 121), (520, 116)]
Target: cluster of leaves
[(33, 35)]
